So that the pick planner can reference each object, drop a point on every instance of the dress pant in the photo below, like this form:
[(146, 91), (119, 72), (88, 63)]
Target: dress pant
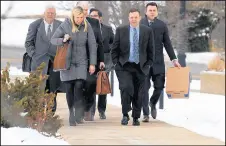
[(158, 81), (131, 84), (74, 95), (89, 91), (101, 105), (49, 85)]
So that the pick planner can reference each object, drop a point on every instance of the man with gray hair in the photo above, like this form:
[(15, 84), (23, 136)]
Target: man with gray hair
[(90, 85), (40, 49)]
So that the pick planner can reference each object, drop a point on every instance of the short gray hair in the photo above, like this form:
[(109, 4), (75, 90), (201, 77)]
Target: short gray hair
[(50, 6), (82, 3)]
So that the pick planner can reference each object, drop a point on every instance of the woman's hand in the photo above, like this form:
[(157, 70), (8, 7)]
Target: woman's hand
[(91, 69), (66, 38)]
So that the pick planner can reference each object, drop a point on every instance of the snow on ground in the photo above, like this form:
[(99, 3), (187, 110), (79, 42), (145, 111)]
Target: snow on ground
[(195, 85), (22, 8), (15, 71), (201, 58), (27, 136), (201, 113), (20, 31)]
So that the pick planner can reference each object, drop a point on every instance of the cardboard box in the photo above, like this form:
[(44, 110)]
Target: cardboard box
[(178, 82)]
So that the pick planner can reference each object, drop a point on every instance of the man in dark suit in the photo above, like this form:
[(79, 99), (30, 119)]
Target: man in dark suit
[(38, 47), (132, 54), (108, 36), (157, 72), (90, 85)]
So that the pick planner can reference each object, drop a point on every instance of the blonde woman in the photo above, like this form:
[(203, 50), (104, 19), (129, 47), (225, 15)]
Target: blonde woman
[(78, 32)]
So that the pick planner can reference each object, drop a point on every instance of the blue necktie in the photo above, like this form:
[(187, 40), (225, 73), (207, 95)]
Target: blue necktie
[(135, 46)]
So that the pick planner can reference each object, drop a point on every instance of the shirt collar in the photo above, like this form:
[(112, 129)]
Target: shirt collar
[(48, 23), (135, 27), (151, 20)]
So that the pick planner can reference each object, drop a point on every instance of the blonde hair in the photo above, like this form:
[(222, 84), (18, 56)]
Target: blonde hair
[(77, 11)]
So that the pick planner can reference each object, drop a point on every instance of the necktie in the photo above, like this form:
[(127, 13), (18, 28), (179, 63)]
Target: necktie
[(135, 46), (49, 32), (150, 23), (100, 29)]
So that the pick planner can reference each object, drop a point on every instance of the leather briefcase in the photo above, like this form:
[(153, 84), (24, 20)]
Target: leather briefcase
[(59, 62), (103, 85), (26, 64)]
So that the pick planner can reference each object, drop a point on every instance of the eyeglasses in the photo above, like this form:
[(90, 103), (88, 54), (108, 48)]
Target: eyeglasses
[(94, 16), (50, 13)]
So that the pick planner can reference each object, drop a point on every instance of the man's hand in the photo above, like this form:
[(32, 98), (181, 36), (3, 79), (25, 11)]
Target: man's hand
[(176, 63), (102, 65), (91, 69), (66, 38)]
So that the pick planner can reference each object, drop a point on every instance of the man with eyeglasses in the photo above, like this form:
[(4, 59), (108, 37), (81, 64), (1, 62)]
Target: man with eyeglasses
[(39, 47), (108, 36)]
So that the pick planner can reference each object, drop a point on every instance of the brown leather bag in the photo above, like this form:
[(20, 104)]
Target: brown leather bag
[(60, 58), (103, 85)]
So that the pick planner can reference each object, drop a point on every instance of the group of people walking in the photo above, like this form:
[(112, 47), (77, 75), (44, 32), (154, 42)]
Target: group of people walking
[(136, 51)]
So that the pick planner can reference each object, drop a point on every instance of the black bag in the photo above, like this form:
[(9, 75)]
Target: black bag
[(26, 65)]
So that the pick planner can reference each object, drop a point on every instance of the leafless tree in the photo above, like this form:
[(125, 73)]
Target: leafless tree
[(5, 14)]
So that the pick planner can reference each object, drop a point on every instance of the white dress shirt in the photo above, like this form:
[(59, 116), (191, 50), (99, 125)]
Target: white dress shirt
[(47, 25)]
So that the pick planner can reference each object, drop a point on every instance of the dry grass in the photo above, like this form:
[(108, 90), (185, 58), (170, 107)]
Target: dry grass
[(217, 64)]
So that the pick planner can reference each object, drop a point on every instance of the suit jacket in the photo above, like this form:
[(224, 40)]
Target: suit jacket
[(97, 32), (41, 50), (161, 37), (108, 37), (37, 44), (121, 47)]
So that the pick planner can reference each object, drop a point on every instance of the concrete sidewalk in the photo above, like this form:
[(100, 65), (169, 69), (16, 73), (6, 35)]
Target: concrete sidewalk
[(111, 132)]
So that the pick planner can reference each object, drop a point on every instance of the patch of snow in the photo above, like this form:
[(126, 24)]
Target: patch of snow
[(213, 72), (27, 136)]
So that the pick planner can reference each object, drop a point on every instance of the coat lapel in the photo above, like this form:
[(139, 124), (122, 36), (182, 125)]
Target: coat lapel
[(43, 32), (54, 27), (141, 35), (104, 32), (146, 21), (127, 35)]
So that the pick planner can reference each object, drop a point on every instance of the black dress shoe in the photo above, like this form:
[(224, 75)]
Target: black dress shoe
[(72, 120), (145, 119), (102, 115), (125, 120), (72, 124), (153, 110), (136, 122), (79, 121)]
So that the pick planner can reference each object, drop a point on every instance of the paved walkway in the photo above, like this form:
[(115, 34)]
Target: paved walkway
[(111, 132)]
